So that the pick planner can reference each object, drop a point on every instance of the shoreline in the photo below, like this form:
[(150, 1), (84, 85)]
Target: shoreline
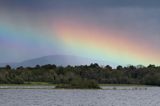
[(46, 85), (103, 87)]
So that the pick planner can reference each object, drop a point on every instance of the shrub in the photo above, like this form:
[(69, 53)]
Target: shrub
[(17, 80), (79, 83)]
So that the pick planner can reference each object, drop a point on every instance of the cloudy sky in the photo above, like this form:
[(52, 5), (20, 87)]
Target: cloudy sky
[(116, 31)]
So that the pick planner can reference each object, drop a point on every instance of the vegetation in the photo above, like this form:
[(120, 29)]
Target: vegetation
[(80, 84), (81, 76)]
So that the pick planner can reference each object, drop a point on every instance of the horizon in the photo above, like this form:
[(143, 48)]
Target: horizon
[(120, 32), (101, 64)]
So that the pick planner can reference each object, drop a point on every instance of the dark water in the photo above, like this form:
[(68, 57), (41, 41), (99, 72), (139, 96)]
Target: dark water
[(50, 97)]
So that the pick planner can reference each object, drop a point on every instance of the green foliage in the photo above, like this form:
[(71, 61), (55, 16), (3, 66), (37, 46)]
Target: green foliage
[(152, 79), (17, 80), (79, 83), (81, 76)]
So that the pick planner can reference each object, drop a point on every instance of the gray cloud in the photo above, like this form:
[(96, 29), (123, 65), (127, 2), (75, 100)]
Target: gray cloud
[(82, 3)]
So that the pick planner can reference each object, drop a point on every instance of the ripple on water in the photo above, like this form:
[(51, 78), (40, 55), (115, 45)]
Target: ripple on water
[(44, 97)]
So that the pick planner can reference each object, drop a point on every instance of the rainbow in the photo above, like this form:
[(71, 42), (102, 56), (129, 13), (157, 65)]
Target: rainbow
[(75, 38), (103, 44)]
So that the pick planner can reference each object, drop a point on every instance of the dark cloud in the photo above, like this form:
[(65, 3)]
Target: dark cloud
[(81, 3)]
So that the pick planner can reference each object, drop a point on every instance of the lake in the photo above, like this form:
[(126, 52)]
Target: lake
[(118, 96)]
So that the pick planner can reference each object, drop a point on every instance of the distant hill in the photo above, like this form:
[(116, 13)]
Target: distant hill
[(59, 60)]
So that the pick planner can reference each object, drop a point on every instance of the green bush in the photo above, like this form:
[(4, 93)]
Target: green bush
[(79, 83), (17, 80), (152, 79)]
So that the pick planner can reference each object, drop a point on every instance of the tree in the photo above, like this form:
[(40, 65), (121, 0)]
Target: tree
[(8, 67), (108, 67), (119, 67)]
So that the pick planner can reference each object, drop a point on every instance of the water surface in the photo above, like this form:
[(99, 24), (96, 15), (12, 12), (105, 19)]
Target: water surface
[(55, 97)]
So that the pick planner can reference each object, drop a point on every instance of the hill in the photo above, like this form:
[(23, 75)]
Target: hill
[(59, 60)]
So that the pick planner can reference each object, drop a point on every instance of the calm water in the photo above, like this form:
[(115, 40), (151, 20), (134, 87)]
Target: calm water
[(50, 97)]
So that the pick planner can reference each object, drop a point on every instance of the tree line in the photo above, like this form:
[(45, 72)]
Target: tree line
[(149, 75)]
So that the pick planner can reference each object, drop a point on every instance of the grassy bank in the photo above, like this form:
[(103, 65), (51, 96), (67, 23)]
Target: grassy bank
[(45, 85), (30, 84), (50, 84), (122, 85)]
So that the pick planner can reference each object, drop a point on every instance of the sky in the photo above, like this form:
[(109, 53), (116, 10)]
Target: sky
[(119, 32)]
